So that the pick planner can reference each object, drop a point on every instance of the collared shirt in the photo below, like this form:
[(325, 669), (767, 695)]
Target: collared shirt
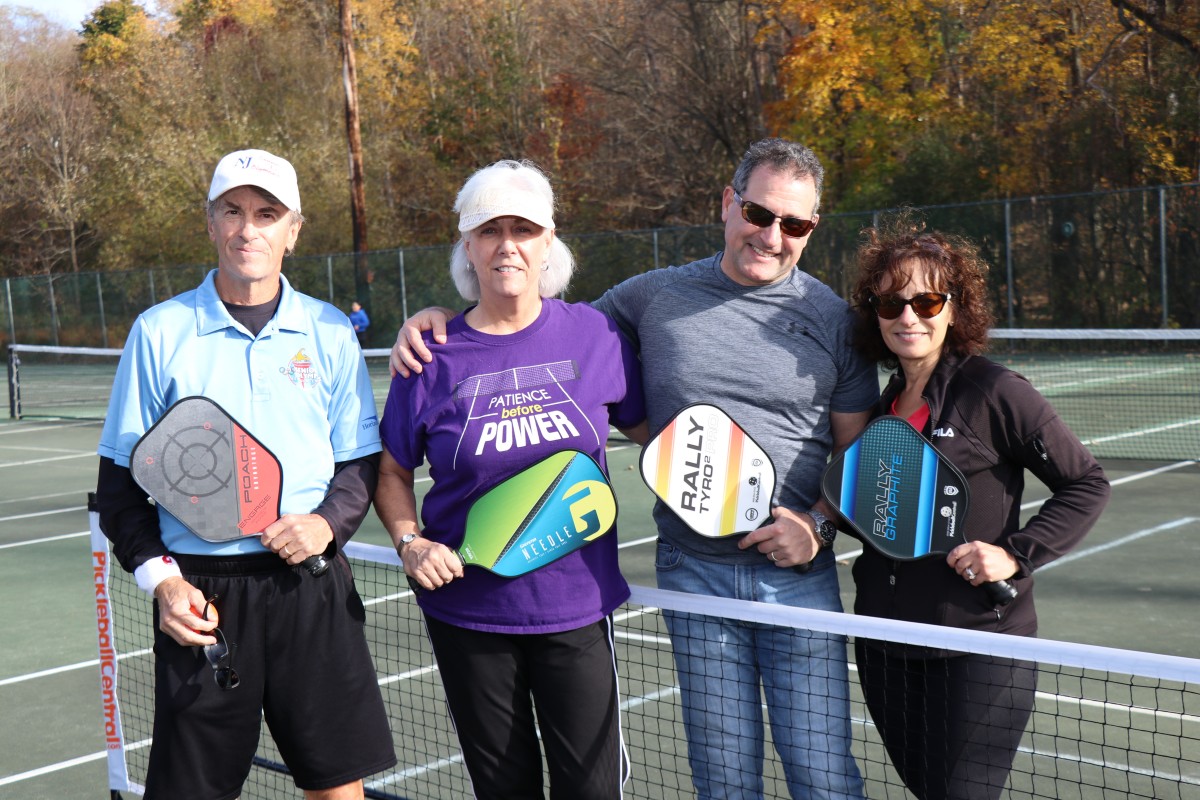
[(301, 387)]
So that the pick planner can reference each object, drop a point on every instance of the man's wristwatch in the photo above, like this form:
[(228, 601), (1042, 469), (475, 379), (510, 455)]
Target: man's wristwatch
[(826, 530), (406, 540)]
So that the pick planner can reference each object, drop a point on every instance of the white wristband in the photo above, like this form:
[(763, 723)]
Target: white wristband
[(150, 574)]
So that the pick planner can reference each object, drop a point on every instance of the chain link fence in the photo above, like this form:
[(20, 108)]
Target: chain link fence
[(1119, 259)]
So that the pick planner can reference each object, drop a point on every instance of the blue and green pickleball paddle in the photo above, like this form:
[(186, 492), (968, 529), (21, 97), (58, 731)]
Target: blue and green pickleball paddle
[(539, 515), (901, 496)]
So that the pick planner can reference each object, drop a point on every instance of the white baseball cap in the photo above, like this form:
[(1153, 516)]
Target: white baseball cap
[(256, 168), (504, 191)]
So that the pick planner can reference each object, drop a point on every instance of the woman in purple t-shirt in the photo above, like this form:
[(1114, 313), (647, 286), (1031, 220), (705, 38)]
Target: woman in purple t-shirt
[(520, 376)]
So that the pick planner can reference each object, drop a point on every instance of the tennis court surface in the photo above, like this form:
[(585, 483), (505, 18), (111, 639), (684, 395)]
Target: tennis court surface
[(1106, 724)]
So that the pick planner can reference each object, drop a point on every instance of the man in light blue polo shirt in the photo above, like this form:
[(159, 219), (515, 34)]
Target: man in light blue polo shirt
[(289, 369)]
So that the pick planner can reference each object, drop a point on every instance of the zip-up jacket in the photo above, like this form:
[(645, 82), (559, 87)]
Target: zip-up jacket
[(993, 425)]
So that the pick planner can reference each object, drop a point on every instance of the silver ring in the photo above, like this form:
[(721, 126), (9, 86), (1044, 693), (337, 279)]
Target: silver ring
[(969, 574), (286, 554), (771, 555)]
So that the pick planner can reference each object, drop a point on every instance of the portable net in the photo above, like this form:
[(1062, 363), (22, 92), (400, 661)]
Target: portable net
[(1105, 723)]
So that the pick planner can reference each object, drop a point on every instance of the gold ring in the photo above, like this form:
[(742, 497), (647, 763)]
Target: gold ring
[(286, 554)]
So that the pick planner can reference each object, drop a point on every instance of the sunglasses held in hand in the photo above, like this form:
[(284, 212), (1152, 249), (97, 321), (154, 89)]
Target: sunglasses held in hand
[(764, 218), (220, 656), (927, 305)]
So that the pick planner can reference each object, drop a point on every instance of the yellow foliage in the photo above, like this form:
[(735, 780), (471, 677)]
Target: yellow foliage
[(865, 81)]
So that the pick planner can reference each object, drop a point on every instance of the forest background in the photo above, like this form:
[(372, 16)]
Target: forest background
[(639, 109)]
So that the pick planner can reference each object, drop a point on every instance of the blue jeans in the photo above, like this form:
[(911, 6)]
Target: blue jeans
[(722, 664)]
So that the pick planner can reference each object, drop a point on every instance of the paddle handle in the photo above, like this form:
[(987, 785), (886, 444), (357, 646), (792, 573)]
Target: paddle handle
[(1001, 593), (316, 565)]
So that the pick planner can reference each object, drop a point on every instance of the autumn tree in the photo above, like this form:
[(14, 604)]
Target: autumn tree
[(226, 76), (48, 147), (680, 88), (925, 101)]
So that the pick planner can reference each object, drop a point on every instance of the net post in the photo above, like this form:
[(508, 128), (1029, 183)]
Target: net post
[(12, 320), (14, 383), (403, 288), (53, 308), (1008, 262), (106, 644), (1162, 251), (100, 304)]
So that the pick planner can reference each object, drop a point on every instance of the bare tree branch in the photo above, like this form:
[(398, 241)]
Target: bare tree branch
[(1153, 20)]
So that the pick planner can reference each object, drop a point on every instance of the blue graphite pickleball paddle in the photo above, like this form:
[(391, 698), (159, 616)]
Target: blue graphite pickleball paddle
[(900, 496)]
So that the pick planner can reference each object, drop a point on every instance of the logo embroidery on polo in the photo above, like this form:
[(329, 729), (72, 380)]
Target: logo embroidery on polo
[(301, 371)]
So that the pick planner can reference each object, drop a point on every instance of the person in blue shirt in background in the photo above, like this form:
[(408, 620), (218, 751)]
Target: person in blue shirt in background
[(360, 321)]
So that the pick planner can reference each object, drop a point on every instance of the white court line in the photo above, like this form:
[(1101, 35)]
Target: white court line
[(1052, 385), (636, 542), (1141, 432), (30, 498), (25, 448), (46, 460), (5, 431), (58, 538), (1133, 537), (413, 772), (43, 513), (1137, 476), (81, 665), (46, 770)]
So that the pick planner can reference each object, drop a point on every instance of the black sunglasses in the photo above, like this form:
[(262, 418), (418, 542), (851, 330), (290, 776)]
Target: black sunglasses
[(763, 218), (926, 304), (220, 656)]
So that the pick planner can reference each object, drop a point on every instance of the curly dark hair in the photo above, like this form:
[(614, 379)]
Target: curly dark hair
[(953, 265)]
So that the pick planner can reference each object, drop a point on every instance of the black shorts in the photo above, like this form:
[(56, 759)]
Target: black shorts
[(301, 654), (497, 683)]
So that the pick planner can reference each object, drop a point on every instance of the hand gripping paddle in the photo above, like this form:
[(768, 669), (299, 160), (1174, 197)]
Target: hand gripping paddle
[(198, 463), (709, 472), (539, 515), (901, 496)]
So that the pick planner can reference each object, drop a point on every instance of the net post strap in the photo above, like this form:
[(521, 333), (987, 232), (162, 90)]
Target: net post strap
[(114, 734)]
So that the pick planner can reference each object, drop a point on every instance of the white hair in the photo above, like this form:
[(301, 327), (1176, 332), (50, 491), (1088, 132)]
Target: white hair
[(520, 177)]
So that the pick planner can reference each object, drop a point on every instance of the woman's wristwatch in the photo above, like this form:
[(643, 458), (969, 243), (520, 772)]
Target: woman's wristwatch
[(406, 540), (826, 530)]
